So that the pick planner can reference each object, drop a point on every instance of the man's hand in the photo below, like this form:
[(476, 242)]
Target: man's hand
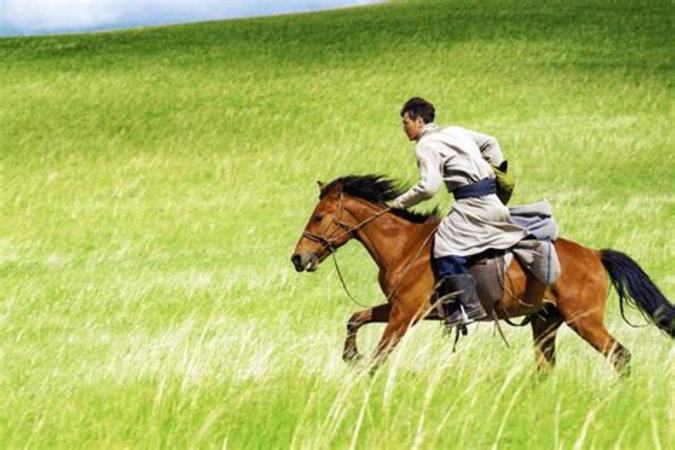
[(394, 204)]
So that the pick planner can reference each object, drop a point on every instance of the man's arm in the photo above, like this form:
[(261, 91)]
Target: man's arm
[(489, 147), (428, 161)]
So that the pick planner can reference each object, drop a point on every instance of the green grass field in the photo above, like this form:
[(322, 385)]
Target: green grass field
[(154, 183)]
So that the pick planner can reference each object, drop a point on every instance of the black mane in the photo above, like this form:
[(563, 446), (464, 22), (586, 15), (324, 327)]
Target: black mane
[(376, 189)]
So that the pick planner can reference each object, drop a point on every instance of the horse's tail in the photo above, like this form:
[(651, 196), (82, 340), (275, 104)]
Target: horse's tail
[(634, 285)]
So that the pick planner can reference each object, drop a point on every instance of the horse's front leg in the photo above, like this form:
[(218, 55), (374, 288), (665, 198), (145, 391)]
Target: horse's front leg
[(400, 320), (378, 313)]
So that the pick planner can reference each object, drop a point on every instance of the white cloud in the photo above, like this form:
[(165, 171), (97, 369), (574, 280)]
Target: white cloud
[(52, 16), (48, 15)]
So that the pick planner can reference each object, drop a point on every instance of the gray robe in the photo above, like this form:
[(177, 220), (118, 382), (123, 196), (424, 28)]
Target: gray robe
[(459, 157)]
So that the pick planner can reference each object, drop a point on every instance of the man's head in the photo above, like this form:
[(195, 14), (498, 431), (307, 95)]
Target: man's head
[(416, 113)]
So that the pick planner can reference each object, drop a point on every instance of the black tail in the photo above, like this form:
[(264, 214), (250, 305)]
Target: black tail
[(634, 285)]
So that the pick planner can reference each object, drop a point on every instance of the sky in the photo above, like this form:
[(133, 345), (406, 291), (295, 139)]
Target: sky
[(31, 17)]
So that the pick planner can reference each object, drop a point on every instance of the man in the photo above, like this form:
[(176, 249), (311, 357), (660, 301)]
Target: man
[(478, 220)]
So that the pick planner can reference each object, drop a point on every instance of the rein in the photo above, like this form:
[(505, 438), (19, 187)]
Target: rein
[(329, 244)]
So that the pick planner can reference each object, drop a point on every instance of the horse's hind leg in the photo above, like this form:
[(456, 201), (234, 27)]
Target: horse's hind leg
[(589, 325), (595, 333), (545, 325), (581, 292), (378, 313)]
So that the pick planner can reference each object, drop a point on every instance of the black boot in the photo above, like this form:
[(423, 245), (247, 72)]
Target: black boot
[(457, 294)]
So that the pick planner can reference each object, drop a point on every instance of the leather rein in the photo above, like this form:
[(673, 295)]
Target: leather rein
[(329, 242)]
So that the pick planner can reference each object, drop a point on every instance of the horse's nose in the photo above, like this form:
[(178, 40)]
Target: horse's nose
[(297, 262)]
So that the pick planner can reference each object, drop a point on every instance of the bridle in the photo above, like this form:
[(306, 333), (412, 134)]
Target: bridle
[(331, 242)]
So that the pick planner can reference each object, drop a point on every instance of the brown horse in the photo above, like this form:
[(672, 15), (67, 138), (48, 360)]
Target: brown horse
[(399, 242)]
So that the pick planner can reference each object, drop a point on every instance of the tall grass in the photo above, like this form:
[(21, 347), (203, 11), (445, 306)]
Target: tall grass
[(154, 183)]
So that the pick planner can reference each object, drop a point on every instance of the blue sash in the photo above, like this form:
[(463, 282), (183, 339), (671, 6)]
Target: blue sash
[(481, 188)]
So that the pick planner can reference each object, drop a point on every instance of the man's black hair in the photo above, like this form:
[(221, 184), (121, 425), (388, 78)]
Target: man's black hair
[(418, 107)]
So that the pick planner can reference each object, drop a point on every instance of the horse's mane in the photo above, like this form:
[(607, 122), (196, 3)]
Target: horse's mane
[(377, 189)]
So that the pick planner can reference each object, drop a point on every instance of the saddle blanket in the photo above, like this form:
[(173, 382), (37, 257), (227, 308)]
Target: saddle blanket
[(536, 253)]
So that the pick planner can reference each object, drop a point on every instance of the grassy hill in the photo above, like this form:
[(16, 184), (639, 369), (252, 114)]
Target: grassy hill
[(154, 182)]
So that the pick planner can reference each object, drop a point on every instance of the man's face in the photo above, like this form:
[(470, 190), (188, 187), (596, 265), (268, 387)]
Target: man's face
[(412, 127)]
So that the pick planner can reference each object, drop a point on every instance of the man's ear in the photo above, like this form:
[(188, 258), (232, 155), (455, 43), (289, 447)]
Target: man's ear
[(320, 183)]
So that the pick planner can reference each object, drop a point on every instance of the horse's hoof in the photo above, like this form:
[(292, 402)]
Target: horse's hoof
[(624, 372), (543, 374), (352, 357)]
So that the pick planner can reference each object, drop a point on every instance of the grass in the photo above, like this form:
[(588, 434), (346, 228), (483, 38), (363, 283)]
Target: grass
[(154, 183)]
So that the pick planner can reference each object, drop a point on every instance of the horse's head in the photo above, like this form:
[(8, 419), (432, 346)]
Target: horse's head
[(326, 230), (341, 213)]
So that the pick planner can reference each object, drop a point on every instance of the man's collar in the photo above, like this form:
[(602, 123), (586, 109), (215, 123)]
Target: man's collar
[(428, 128)]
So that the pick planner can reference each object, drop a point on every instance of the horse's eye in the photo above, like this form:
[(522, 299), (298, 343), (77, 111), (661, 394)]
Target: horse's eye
[(318, 218)]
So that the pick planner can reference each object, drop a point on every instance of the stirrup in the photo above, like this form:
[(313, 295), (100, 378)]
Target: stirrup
[(460, 317)]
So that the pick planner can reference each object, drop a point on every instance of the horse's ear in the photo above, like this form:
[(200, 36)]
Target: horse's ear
[(320, 183)]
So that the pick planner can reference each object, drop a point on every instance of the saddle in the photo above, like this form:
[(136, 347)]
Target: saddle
[(489, 268)]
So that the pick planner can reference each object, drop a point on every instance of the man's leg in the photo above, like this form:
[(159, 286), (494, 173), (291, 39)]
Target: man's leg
[(456, 289)]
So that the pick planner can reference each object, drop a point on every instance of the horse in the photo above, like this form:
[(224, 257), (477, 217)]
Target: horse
[(400, 242)]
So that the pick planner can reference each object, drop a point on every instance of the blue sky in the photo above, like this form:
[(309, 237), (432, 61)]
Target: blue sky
[(29, 17)]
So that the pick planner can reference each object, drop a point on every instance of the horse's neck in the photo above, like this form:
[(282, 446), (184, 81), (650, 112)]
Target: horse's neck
[(389, 239)]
